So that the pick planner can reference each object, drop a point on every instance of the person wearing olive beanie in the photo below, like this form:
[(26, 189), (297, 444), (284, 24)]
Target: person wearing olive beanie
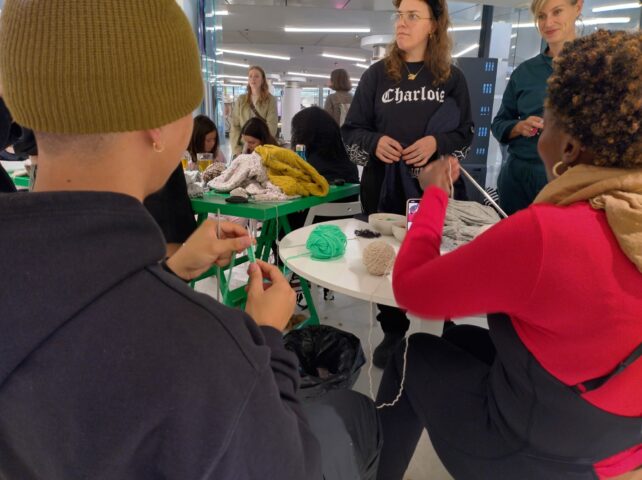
[(110, 366)]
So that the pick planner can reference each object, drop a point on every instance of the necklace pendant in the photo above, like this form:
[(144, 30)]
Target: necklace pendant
[(412, 76)]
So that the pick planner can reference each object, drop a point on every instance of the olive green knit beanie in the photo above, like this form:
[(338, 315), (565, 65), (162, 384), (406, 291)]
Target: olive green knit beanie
[(98, 66)]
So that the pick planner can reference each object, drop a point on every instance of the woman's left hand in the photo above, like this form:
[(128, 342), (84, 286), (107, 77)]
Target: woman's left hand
[(420, 152), (440, 173), (205, 248)]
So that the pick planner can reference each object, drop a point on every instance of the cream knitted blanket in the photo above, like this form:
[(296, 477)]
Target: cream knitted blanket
[(248, 173)]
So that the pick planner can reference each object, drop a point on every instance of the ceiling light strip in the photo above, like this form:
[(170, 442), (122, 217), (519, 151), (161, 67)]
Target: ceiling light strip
[(232, 64), (325, 30), (619, 6), (343, 57), (252, 54)]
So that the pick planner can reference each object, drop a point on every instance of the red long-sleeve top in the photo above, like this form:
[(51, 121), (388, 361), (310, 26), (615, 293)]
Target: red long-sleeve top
[(573, 297)]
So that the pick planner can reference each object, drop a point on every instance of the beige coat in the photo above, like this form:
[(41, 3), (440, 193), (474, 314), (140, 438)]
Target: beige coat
[(241, 113), (337, 104)]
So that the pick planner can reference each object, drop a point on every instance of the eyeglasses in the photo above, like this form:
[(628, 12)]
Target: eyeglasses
[(410, 17)]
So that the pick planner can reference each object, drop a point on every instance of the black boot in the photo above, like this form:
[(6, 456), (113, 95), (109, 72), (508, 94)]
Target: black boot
[(386, 348)]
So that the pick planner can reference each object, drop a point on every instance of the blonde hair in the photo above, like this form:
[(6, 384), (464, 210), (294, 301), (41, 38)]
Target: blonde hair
[(538, 5), (437, 57), (264, 93)]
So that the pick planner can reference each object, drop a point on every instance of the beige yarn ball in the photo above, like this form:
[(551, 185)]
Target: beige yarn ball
[(379, 257)]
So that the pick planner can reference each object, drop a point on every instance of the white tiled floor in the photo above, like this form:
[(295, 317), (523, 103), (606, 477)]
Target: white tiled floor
[(354, 316)]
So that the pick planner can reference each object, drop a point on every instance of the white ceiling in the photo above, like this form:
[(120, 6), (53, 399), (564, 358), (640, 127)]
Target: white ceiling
[(259, 27)]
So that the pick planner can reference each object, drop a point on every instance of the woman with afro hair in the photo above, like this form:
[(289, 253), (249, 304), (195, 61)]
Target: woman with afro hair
[(553, 390)]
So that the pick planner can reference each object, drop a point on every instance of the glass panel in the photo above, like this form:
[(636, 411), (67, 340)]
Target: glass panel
[(466, 21)]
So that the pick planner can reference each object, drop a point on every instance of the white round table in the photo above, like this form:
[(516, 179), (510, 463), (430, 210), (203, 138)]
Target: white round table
[(345, 275)]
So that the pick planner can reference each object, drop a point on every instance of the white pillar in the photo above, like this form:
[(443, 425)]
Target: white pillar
[(291, 104), (377, 45)]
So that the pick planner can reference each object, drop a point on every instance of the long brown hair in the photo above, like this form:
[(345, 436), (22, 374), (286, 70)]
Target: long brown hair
[(203, 126), (437, 57), (264, 94), (257, 128)]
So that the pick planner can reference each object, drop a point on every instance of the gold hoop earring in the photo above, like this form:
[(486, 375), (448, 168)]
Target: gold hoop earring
[(556, 167), (157, 149)]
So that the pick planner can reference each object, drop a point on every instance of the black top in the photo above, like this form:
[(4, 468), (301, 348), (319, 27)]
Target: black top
[(111, 368), (172, 209), (333, 168), (402, 110), (6, 184)]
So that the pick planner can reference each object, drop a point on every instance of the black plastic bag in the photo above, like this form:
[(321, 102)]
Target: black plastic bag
[(329, 359)]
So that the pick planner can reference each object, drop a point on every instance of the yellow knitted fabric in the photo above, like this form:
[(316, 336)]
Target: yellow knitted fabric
[(98, 66), (291, 173)]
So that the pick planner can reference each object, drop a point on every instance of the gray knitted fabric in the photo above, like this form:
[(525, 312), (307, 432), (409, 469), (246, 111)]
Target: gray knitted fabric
[(464, 221)]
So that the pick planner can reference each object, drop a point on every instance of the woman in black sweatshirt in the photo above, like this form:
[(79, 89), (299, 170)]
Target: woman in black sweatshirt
[(389, 117)]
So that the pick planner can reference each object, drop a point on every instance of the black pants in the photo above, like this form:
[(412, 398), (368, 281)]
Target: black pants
[(392, 319), (347, 427), (445, 392), (519, 183)]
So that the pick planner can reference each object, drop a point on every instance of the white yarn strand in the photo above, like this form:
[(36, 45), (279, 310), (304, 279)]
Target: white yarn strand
[(450, 180), (277, 249), (403, 378), (371, 353)]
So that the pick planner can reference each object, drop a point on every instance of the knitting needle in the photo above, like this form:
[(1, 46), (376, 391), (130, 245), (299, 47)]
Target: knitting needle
[(502, 213), (218, 270), (251, 231)]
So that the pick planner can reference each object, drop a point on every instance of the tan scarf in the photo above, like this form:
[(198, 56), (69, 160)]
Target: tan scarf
[(617, 191)]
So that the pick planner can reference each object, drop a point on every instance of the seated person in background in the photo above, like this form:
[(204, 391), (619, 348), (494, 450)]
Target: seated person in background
[(324, 149), (172, 209), (110, 366), (255, 133), (205, 139), (9, 133), (554, 389), (17, 144)]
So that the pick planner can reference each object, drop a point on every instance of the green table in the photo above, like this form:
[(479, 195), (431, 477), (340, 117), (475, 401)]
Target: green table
[(20, 181), (274, 218)]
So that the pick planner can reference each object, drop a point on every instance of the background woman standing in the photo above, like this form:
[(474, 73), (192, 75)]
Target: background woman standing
[(388, 118), (257, 102), (338, 103), (519, 119)]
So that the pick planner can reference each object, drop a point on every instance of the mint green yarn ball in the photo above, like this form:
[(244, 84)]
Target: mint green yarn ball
[(326, 242)]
